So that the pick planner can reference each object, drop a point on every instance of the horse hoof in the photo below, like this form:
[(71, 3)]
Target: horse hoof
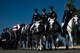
[(50, 49), (34, 48), (40, 49), (73, 48), (66, 48), (55, 49)]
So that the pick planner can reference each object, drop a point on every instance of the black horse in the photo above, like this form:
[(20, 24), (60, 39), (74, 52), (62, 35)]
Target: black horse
[(53, 31)]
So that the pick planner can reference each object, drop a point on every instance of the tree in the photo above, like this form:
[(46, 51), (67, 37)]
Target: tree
[(71, 2), (78, 11)]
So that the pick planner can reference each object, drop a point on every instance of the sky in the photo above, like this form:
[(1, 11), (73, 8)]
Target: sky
[(14, 12)]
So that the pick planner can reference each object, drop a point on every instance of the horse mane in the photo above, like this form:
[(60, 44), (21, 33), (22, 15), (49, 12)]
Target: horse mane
[(70, 22)]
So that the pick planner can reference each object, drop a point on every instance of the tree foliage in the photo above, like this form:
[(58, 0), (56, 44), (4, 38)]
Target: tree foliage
[(71, 2), (78, 11)]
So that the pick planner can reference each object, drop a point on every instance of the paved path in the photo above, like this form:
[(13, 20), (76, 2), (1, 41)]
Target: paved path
[(31, 51), (60, 50)]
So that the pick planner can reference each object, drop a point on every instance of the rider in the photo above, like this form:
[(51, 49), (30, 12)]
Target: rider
[(36, 16), (67, 16), (44, 16), (52, 14)]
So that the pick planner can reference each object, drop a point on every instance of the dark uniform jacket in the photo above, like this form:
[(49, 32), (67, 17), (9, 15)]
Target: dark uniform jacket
[(67, 15), (44, 18), (36, 18), (52, 15), (66, 18)]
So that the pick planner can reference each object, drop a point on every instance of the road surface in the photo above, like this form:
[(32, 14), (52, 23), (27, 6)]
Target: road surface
[(59, 50)]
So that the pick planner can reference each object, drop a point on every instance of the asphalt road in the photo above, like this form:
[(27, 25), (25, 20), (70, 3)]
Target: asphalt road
[(59, 50), (32, 51)]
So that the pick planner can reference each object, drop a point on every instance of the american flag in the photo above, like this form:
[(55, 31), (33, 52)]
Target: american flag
[(16, 27)]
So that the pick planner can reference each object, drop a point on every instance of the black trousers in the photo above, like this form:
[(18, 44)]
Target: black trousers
[(64, 28)]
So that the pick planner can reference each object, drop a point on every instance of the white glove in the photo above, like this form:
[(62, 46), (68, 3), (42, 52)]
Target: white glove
[(62, 24)]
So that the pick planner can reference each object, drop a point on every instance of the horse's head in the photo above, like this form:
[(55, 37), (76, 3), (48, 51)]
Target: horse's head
[(75, 19), (24, 29), (36, 24), (51, 21), (35, 27), (27, 27)]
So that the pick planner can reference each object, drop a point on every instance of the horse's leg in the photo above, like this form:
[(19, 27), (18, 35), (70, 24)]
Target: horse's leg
[(75, 38), (40, 42), (71, 39), (25, 43), (44, 41), (53, 42), (40, 45), (47, 39), (58, 37), (66, 39), (63, 33), (30, 42), (20, 42), (67, 44), (49, 42), (34, 42)]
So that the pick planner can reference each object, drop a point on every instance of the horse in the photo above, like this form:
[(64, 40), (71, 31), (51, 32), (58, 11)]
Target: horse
[(71, 30), (26, 35), (53, 31), (37, 30)]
